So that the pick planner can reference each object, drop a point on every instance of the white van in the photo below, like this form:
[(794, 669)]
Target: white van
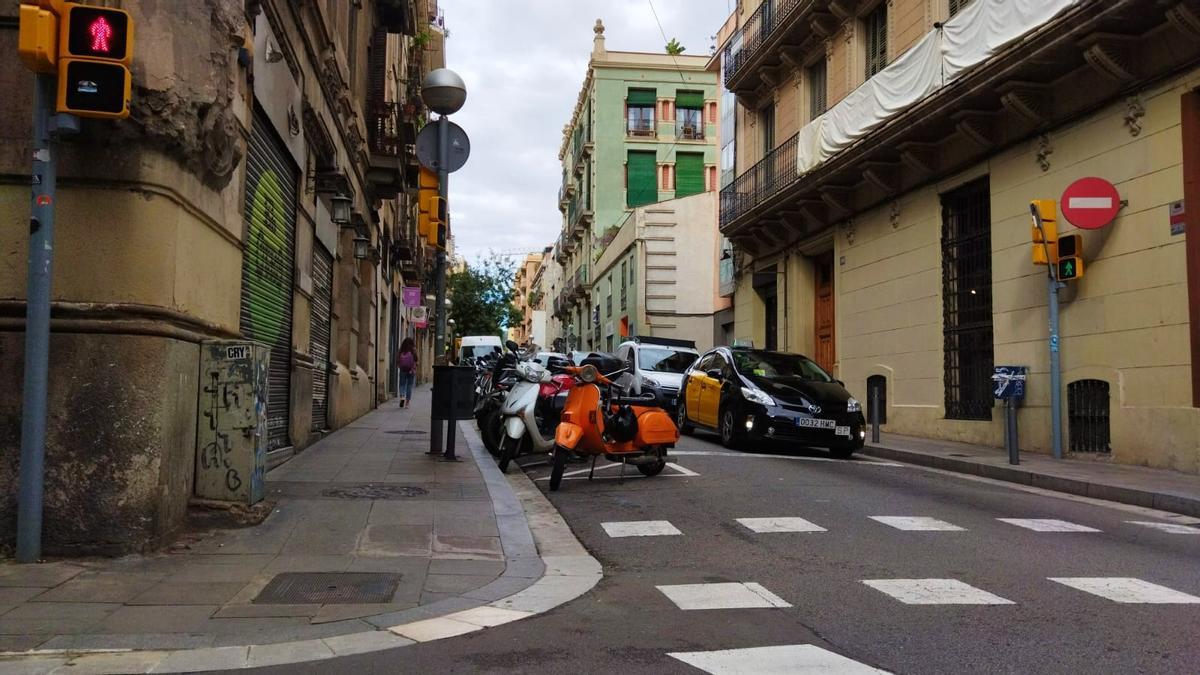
[(475, 346)]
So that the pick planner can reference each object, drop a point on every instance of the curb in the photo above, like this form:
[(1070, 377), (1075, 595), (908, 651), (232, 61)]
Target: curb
[(1187, 506), (544, 569)]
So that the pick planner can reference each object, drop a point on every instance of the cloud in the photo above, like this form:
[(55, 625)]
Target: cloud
[(523, 62)]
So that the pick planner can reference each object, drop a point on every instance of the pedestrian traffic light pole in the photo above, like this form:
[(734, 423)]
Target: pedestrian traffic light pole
[(1053, 284), (439, 320)]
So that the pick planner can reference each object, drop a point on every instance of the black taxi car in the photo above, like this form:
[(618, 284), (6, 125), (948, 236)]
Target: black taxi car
[(752, 394)]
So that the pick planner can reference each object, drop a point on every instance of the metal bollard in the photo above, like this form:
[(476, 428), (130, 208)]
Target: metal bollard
[(875, 415), (1011, 440)]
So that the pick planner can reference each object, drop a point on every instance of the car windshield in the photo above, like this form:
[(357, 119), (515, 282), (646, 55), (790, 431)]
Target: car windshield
[(661, 360), (773, 365), (478, 351)]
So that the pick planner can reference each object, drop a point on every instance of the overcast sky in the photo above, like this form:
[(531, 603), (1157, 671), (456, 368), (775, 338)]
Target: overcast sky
[(523, 62)]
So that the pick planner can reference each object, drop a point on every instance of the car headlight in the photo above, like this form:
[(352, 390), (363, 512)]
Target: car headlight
[(757, 396), (853, 405)]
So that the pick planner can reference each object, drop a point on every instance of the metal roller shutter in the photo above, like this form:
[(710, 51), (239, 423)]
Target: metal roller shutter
[(322, 304), (267, 263)]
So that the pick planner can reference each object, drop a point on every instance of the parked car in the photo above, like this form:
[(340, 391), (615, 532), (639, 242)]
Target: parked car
[(657, 366), (753, 394), (477, 346), (544, 357)]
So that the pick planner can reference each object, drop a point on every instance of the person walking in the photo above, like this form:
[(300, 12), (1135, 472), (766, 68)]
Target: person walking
[(407, 364)]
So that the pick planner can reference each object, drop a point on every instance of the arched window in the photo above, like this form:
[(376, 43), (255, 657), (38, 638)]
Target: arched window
[(1088, 417)]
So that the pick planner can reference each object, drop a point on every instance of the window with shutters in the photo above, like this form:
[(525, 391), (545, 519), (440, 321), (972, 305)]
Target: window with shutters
[(957, 6), (967, 301), (875, 24), (689, 116), (639, 112), (689, 173), (641, 172), (817, 90)]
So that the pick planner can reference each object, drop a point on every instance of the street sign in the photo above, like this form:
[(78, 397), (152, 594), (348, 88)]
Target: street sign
[(1009, 382), (1090, 203), (412, 296), (427, 147), (1178, 218)]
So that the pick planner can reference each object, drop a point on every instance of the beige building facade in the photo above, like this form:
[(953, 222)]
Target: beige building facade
[(897, 253), (213, 218)]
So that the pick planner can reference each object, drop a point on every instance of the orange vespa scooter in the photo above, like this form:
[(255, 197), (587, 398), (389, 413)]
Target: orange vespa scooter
[(596, 422)]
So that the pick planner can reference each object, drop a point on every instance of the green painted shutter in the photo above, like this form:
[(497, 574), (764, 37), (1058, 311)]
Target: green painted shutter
[(642, 97), (643, 183), (689, 174), (690, 99)]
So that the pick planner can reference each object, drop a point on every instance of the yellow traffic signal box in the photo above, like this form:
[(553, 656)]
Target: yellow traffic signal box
[(1045, 238), (95, 48), (37, 39), (427, 193)]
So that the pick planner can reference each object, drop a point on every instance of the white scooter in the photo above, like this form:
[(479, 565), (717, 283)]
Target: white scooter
[(519, 413)]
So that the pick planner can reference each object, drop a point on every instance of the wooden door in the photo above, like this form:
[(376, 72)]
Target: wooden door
[(825, 355)]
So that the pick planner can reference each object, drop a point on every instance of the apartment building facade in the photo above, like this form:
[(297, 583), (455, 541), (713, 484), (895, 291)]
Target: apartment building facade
[(643, 131), (526, 297), (260, 190), (884, 159)]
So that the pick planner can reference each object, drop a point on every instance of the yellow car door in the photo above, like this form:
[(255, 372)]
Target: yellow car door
[(710, 393), (695, 386)]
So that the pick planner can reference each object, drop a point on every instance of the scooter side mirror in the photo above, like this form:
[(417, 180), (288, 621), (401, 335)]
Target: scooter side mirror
[(512, 346)]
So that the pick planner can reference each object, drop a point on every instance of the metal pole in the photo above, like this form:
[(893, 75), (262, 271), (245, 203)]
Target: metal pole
[(444, 193), (875, 414), (1010, 419), (1055, 372), (37, 328)]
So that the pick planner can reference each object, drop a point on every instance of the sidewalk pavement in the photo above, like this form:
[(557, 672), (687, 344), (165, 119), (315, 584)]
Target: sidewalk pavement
[(398, 537), (1140, 486)]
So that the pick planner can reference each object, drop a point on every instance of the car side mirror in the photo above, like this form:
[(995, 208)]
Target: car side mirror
[(840, 382), (715, 374)]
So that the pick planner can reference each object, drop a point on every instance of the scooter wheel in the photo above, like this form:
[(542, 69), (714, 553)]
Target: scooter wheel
[(654, 469), (508, 450), (560, 465)]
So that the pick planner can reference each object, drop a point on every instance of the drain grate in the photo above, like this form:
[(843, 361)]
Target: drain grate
[(375, 492), (408, 432), (320, 588)]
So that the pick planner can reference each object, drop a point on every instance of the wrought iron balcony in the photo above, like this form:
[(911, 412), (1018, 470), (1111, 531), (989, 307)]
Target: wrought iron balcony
[(762, 181), (689, 132), (641, 128), (768, 21)]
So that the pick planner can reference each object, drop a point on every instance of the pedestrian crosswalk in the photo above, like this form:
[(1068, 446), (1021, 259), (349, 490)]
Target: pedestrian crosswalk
[(918, 524), (1128, 590), (1047, 525), (935, 592), (792, 524), (774, 660), (741, 595)]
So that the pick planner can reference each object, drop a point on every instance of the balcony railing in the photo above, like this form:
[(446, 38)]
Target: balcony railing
[(581, 275), (386, 137), (757, 30), (689, 132), (762, 181), (642, 128)]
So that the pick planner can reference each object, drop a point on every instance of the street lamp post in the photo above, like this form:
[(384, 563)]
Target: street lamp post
[(443, 92)]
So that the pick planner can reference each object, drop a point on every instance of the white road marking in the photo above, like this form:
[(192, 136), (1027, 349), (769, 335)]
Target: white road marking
[(1127, 590), (1047, 525), (1173, 528), (859, 461), (640, 528), (735, 595), (630, 472), (918, 523), (770, 525), (781, 660), (935, 592), (682, 471)]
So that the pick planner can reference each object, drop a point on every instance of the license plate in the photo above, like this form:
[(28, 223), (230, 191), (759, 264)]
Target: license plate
[(842, 431), (813, 423)]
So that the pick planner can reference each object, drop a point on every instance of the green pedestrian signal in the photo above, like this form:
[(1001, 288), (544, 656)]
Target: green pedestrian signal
[(1070, 269)]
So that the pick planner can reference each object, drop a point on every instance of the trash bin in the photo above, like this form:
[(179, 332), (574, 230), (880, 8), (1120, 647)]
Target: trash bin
[(453, 393)]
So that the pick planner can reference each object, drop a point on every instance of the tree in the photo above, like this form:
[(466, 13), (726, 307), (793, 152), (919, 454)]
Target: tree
[(481, 297), (674, 48)]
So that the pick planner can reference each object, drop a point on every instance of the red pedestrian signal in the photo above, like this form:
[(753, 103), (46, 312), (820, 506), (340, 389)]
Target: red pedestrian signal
[(97, 32), (95, 48)]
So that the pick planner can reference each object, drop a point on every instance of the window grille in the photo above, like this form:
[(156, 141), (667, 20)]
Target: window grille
[(1088, 416), (967, 301), (817, 91), (957, 6), (877, 44)]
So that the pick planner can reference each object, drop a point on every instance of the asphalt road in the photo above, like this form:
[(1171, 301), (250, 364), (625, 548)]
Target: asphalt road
[(1031, 624)]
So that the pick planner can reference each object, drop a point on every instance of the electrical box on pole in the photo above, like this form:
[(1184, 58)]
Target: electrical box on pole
[(95, 48), (37, 39)]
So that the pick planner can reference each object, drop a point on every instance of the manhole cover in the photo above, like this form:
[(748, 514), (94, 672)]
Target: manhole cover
[(408, 432), (320, 588), (375, 492)]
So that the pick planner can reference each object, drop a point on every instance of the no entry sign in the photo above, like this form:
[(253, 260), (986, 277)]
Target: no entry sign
[(1090, 203)]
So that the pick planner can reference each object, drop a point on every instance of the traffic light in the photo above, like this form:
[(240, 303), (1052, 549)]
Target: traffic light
[(427, 193), (95, 48), (1070, 257), (37, 39), (1045, 238)]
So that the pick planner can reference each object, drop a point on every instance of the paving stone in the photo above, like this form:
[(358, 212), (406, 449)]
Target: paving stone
[(21, 643), (465, 526), (549, 592), (15, 595), (211, 573), (474, 567), (212, 658), (61, 610), (158, 619), (295, 633), (44, 575), (361, 643), (500, 588), (288, 652), (55, 626), (104, 664), (456, 583), (434, 629), (395, 540), (306, 563), (163, 641), (530, 568), (331, 613), (250, 628), (101, 588), (171, 593), (467, 547), (38, 665), (583, 565), (400, 512), (435, 609), (265, 611)]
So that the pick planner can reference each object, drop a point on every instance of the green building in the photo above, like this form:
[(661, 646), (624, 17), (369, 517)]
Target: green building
[(643, 132)]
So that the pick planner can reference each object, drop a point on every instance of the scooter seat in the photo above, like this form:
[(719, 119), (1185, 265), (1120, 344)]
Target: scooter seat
[(607, 364)]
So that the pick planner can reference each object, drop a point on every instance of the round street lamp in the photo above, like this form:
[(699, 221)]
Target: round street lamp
[(443, 91)]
